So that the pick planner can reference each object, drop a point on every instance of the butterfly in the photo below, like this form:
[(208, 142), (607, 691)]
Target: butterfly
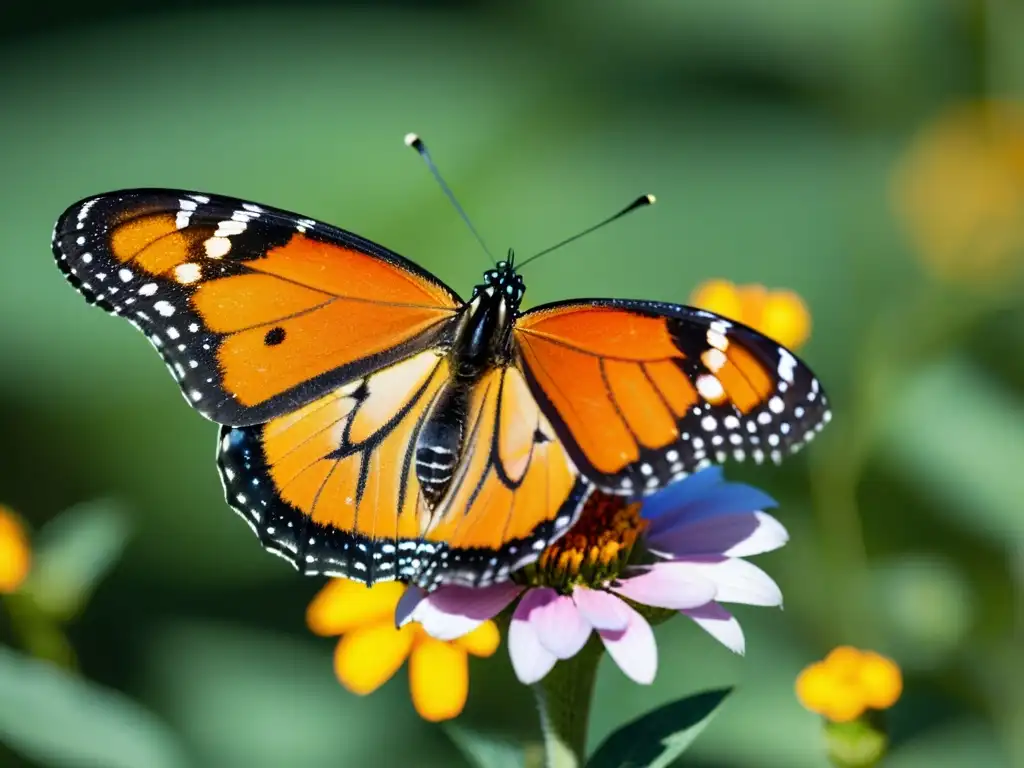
[(375, 426)]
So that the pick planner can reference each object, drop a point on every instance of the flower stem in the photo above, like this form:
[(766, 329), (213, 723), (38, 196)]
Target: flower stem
[(563, 700)]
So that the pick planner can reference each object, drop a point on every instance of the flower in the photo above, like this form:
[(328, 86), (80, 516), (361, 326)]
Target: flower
[(678, 551), (371, 649), (779, 315), (15, 552), (960, 193), (848, 683)]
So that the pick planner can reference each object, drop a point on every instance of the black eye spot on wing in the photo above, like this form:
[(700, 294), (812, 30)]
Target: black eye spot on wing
[(274, 336)]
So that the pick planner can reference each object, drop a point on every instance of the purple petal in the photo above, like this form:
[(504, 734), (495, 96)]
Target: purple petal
[(736, 581), (722, 499), (475, 602), (736, 535), (407, 603), (453, 611), (530, 660), (559, 626), (769, 536), (720, 624), (601, 609), (665, 587), (633, 648)]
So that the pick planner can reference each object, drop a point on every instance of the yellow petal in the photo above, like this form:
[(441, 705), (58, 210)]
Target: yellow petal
[(814, 687), (482, 641), (880, 681), (845, 704), (15, 552), (343, 605), (438, 679), (367, 658), (720, 297), (960, 191), (785, 319), (752, 302), (844, 660)]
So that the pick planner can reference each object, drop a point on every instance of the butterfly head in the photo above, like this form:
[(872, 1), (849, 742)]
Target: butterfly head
[(503, 283)]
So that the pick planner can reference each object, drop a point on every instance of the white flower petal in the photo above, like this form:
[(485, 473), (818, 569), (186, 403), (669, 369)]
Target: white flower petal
[(530, 660), (633, 649), (736, 581), (453, 611), (601, 609), (720, 624), (770, 535), (559, 625), (665, 586)]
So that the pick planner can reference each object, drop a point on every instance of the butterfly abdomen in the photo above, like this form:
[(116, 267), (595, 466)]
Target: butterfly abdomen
[(440, 441), (480, 343)]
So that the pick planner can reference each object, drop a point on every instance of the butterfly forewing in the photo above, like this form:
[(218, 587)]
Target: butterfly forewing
[(644, 393), (256, 311)]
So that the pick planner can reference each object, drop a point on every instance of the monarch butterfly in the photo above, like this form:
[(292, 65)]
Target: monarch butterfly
[(375, 426)]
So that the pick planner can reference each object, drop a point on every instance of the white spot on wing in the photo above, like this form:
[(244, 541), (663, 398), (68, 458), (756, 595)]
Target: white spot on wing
[(217, 247)]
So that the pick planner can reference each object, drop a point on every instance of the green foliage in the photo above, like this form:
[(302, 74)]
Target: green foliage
[(658, 738), (60, 719), (73, 552), (489, 750)]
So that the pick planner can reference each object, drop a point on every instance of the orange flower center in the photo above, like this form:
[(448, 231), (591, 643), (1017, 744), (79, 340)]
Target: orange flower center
[(595, 550)]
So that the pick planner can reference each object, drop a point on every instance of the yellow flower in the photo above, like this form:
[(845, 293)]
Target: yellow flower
[(371, 649), (15, 552), (960, 192), (849, 682), (779, 315)]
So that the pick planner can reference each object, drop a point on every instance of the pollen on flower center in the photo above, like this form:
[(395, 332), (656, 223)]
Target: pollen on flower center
[(595, 550)]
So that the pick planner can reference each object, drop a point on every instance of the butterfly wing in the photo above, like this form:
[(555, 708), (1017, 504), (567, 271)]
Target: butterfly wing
[(332, 487), (643, 393), (256, 311)]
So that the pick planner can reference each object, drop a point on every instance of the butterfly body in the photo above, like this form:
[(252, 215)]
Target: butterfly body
[(376, 426), (482, 341)]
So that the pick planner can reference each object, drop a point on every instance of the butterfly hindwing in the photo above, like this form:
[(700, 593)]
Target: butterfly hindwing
[(332, 487), (256, 311), (643, 393)]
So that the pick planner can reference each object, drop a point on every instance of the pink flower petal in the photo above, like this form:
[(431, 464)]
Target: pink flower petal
[(601, 609), (736, 581), (560, 628), (453, 611), (720, 624), (530, 660), (633, 648), (665, 586)]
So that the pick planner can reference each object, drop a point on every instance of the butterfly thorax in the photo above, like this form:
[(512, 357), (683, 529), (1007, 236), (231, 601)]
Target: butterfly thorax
[(482, 341)]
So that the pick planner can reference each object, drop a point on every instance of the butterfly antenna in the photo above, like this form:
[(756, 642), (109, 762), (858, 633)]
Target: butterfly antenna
[(414, 141), (640, 202)]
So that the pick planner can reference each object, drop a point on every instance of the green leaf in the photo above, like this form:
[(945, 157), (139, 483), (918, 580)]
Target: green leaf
[(73, 552), (656, 739), (58, 719), (491, 750)]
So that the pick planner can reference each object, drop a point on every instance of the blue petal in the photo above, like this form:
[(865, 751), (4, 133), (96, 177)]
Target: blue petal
[(709, 500), (682, 493)]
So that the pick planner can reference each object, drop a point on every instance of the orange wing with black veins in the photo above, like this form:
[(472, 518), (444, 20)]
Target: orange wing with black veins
[(256, 311), (644, 393)]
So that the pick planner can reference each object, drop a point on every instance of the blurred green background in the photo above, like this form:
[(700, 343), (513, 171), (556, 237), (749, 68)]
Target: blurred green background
[(775, 136)]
